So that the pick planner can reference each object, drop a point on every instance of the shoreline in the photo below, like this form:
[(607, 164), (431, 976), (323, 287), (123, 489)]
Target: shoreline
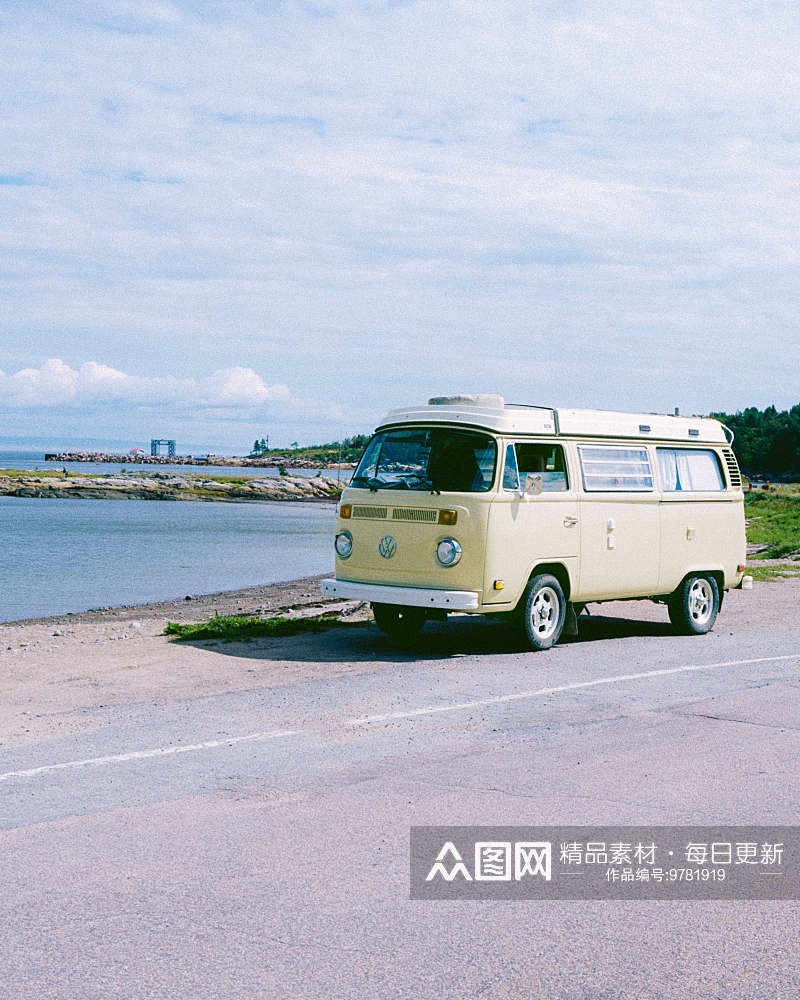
[(169, 486), (278, 597)]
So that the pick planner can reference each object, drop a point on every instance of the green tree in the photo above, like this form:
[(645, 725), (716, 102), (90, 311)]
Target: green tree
[(766, 442)]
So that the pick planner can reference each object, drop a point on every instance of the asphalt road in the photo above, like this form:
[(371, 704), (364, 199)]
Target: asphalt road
[(254, 842)]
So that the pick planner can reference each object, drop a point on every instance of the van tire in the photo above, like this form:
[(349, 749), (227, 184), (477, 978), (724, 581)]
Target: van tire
[(400, 624), (694, 605), (543, 611)]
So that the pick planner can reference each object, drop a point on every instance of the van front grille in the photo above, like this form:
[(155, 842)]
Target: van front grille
[(415, 514), (733, 469), (376, 513)]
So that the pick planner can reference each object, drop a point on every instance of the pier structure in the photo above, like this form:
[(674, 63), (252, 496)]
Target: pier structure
[(156, 444)]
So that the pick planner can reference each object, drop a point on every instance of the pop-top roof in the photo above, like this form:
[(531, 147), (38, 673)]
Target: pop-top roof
[(493, 413)]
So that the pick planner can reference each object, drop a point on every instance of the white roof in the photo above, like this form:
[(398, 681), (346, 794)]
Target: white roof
[(494, 414)]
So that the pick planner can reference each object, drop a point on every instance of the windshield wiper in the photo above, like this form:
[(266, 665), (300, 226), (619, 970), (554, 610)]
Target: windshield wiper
[(372, 484), (382, 484), (423, 483)]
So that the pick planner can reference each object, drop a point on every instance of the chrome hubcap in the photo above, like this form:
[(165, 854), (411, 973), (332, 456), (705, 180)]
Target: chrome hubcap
[(544, 613), (701, 600)]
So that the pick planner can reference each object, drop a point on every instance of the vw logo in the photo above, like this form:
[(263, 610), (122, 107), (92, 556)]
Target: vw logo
[(387, 546)]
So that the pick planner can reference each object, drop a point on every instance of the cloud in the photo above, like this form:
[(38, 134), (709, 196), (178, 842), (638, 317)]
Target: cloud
[(239, 387), (92, 385), (365, 196)]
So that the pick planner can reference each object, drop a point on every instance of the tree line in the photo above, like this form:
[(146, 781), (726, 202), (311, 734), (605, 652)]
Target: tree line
[(767, 442), (348, 450)]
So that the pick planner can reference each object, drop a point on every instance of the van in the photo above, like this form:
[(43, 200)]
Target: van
[(470, 504)]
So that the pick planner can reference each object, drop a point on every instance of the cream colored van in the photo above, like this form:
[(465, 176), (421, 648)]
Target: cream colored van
[(470, 504)]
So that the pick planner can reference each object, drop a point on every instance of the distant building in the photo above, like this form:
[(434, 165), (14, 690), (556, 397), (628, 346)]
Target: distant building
[(156, 443)]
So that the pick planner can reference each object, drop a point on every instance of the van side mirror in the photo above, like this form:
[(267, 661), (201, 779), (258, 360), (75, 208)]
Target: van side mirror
[(534, 483)]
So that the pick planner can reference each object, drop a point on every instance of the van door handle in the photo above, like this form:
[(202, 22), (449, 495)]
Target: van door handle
[(569, 521)]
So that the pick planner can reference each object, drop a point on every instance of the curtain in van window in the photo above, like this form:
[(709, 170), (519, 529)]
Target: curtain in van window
[(689, 470)]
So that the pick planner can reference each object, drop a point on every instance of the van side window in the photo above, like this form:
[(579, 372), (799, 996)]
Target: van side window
[(510, 472), (689, 470), (547, 461), (615, 470)]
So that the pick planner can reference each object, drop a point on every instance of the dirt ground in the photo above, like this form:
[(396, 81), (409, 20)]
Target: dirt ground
[(58, 674)]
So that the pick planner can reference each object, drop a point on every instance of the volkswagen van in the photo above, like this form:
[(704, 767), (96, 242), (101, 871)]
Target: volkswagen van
[(470, 504)]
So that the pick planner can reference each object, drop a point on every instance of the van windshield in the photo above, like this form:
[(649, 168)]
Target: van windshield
[(432, 458)]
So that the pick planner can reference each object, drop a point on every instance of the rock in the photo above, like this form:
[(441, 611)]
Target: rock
[(167, 486)]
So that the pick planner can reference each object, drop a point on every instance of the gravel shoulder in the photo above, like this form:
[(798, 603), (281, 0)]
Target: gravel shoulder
[(60, 675)]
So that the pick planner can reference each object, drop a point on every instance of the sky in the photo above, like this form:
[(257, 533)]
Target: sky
[(226, 220)]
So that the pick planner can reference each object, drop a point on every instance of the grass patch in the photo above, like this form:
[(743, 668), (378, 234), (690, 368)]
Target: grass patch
[(767, 574), (43, 474), (236, 628), (202, 477), (189, 477), (775, 522)]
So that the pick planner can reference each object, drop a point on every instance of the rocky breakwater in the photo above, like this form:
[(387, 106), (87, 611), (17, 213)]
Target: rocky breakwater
[(166, 486), (276, 462)]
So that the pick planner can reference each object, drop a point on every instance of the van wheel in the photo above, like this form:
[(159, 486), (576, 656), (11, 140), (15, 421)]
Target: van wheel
[(694, 605), (400, 624), (543, 612)]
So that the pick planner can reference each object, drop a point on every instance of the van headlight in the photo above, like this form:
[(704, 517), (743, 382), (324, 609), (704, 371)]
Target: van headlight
[(448, 552), (343, 544)]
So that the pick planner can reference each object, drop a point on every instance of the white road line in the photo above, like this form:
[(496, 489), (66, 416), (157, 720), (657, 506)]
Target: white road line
[(119, 758), (520, 695)]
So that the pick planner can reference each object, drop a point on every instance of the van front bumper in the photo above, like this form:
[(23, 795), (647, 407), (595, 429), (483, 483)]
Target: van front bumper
[(415, 597)]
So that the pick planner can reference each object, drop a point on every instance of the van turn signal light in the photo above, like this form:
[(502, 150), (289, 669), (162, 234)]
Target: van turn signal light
[(345, 510), (498, 585), (448, 516)]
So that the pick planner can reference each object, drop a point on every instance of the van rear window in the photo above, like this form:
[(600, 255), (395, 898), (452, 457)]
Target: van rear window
[(689, 470), (612, 470)]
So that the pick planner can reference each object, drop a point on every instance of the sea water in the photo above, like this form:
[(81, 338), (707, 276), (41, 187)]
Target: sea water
[(32, 460), (59, 555)]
